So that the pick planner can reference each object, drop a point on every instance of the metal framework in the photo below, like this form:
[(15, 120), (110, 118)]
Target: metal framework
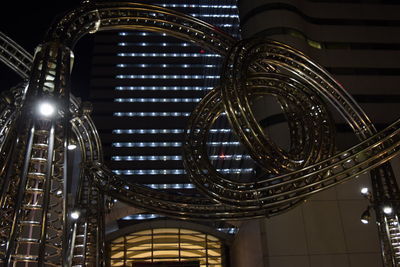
[(35, 224)]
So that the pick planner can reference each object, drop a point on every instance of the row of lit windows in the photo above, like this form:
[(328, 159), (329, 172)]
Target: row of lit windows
[(228, 230), (147, 216), (226, 25), (155, 34), (162, 131), (171, 186), (145, 158), (200, 6), (214, 15), (155, 114), (152, 76), (175, 157), (148, 131), (168, 144), (158, 100), (151, 114), (153, 44), (230, 157), (147, 144), (167, 55), (166, 66), (141, 33), (139, 217), (176, 171), (163, 88)]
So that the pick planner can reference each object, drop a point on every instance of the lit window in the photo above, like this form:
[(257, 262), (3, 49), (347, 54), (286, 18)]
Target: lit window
[(151, 114), (152, 76), (157, 100), (200, 6), (167, 55), (148, 131), (170, 144), (176, 171), (166, 245), (170, 186), (162, 88)]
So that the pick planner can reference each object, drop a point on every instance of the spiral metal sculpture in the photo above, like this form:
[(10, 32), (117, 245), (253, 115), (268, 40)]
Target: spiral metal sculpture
[(35, 228)]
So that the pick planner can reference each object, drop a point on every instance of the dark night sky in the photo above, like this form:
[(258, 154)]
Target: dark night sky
[(26, 22)]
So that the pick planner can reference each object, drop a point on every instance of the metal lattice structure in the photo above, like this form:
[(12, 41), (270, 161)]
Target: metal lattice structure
[(36, 229)]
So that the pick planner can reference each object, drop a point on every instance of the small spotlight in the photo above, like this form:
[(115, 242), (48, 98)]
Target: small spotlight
[(387, 209), (46, 109), (364, 221), (364, 191), (71, 147), (365, 216), (75, 215)]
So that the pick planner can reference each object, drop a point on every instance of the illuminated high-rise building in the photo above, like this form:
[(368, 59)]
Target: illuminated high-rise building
[(151, 82), (144, 86)]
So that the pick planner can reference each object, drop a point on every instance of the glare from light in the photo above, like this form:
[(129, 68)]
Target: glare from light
[(364, 191), (71, 147), (46, 109), (387, 210), (364, 221), (75, 215)]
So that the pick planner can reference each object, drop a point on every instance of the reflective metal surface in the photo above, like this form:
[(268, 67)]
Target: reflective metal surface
[(35, 215)]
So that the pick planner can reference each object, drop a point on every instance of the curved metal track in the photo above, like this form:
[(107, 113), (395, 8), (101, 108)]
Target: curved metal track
[(253, 68), (15, 56), (273, 195)]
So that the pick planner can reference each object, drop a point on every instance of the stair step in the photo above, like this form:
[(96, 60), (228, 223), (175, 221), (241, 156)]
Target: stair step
[(24, 257), (34, 190), (29, 223), (36, 175), (32, 207), (27, 240), (40, 146), (40, 160)]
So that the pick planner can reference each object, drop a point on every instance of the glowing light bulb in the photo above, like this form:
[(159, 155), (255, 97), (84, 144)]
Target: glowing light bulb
[(387, 209), (366, 216), (364, 190), (46, 109), (75, 215), (71, 147)]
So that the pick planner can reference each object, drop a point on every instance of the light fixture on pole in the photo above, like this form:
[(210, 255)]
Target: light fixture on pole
[(75, 214), (72, 145), (366, 216), (387, 209)]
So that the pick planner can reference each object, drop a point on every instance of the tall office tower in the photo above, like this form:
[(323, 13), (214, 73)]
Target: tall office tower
[(359, 43), (144, 88)]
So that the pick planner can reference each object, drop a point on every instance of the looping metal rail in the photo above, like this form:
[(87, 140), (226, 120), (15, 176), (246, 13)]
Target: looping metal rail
[(33, 157), (15, 56)]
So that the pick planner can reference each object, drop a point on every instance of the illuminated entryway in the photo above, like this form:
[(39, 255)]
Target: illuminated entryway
[(166, 247)]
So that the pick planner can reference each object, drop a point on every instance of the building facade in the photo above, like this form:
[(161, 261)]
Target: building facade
[(357, 42), (144, 86)]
